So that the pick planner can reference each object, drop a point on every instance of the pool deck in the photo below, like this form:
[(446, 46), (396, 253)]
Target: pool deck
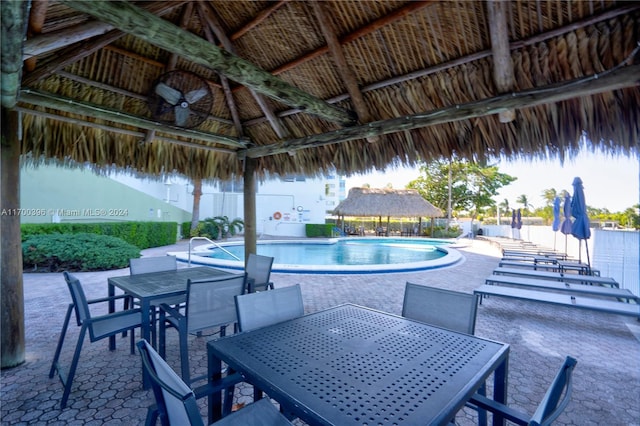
[(107, 388)]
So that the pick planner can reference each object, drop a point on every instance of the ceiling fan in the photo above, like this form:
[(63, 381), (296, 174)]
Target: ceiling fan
[(181, 98)]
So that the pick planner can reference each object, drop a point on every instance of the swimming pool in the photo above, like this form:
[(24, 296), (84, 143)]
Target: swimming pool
[(334, 256)]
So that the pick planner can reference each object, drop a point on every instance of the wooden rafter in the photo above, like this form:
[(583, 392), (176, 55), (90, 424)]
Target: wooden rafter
[(45, 43), (625, 77), (38, 98), (344, 70), (37, 16), (610, 14), (214, 23), (122, 131), (502, 65), (146, 26)]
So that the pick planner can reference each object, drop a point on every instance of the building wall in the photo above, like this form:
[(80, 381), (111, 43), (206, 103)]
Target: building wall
[(283, 206), (56, 194)]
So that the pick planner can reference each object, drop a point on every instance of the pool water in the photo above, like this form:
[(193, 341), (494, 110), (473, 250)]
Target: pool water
[(333, 256), (342, 252)]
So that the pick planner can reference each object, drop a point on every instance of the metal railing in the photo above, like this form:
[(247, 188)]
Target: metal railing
[(212, 242)]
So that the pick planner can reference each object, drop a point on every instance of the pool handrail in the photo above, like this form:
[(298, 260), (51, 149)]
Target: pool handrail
[(212, 242)]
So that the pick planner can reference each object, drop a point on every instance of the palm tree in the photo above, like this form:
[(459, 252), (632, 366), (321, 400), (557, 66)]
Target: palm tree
[(524, 200), (549, 196)]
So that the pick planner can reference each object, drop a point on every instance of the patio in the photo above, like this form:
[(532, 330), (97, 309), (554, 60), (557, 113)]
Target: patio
[(107, 388)]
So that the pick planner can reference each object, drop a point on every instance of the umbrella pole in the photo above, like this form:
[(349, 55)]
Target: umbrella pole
[(586, 246)]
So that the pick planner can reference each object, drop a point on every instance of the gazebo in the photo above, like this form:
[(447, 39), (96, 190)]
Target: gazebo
[(218, 90), (386, 202)]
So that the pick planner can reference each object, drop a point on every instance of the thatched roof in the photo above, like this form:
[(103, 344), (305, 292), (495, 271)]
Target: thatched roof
[(289, 78), (362, 202)]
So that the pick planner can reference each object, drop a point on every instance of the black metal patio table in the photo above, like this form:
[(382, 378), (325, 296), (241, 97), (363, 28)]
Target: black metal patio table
[(156, 285), (351, 365)]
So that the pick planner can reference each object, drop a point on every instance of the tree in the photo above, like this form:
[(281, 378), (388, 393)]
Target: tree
[(549, 196), (473, 185), (524, 200)]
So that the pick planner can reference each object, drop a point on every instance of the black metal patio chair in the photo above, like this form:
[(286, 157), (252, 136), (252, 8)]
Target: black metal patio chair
[(99, 327), (258, 273), (552, 405), (176, 402), (210, 304)]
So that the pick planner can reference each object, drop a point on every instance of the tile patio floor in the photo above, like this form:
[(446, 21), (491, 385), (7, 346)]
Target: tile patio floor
[(107, 388)]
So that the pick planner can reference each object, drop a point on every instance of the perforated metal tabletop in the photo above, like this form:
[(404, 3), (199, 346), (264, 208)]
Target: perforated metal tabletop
[(156, 285), (351, 365)]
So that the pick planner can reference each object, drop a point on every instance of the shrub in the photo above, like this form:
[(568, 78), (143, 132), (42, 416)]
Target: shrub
[(319, 230), (218, 227), (140, 234), (76, 252)]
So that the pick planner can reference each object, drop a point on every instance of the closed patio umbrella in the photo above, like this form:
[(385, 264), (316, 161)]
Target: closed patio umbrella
[(555, 226), (567, 225), (580, 228)]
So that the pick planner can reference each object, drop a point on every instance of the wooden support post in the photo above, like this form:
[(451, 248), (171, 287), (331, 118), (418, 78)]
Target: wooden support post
[(11, 288), (250, 234)]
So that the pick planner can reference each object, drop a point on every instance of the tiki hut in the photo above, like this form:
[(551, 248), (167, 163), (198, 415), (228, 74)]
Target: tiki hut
[(362, 202), (217, 89)]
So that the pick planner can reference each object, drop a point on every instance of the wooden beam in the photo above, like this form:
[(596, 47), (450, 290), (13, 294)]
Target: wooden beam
[(344, 70), (122, 131), (110, 88), (38, 98), (502, 66), (260, 17), (610, 14), (628, 76), (214, 23), (133, 20), (37, 16), (394, 16), (14, 28), (55, 40)]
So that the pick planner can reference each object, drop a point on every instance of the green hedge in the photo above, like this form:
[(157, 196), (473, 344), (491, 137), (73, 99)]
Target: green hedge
[(76, 252), (141, 234), (319, 230)]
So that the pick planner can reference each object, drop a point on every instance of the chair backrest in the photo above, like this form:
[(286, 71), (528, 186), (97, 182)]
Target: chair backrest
[(211, 303), (81, 307), (259, 270), (449, 309), (551, 405), (144, 265), (257, 310), (176, 402)]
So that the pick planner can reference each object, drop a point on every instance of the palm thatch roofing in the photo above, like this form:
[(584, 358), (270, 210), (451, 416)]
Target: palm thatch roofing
[(385, 202), (310, 87)]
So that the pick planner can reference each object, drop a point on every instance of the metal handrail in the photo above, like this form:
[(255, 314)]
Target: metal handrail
[(212, 242)]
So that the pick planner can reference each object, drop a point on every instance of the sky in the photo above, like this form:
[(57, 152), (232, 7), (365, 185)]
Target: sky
[(609, 182)]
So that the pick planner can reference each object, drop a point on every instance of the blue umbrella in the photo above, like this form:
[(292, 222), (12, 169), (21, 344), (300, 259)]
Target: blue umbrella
[(519, 219), (556, 219), (567, 225), (514, 224), (580, 228)]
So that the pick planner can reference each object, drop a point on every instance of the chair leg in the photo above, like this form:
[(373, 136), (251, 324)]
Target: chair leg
[(72, 368), (63, 333), (184, 352), (162, 341), (152, 416)]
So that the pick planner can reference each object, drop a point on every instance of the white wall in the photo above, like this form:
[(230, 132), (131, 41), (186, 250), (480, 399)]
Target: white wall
[(297, 202)]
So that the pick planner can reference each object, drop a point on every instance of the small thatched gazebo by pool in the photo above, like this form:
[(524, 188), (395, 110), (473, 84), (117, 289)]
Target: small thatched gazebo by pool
[(386, 202)]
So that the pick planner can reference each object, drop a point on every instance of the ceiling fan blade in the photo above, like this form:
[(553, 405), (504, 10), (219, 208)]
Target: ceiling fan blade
[(182, 115), (169, 94), (195, 95)]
